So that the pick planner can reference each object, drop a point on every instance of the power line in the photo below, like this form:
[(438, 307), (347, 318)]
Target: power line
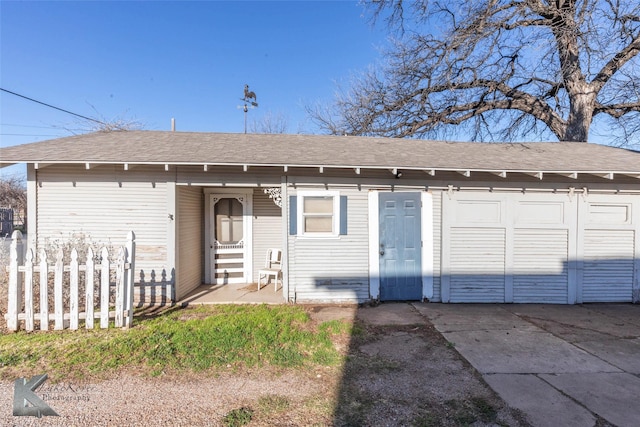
[(24, 134), (53, 106), (27, 126), (59, 128)]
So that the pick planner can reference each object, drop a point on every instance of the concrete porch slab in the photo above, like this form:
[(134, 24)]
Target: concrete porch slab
[(241, 293)]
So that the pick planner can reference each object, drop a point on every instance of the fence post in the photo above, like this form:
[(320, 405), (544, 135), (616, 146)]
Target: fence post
[(44, 291), (104, 288), (73, 291), (57, 292), (28, 291), (120, 287), (88, 300), (15, 281), (129, 277)]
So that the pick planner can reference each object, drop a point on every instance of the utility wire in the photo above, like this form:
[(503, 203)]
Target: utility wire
[(27, 126), (41, 127), (23, 134), (52, 106)]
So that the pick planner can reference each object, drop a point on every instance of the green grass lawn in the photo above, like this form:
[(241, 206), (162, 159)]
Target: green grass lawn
[(193, 339)]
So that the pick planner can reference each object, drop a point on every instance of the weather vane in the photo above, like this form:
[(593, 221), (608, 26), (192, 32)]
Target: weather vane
[(250, 101)]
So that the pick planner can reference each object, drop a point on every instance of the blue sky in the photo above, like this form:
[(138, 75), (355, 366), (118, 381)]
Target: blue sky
[(153, 61)]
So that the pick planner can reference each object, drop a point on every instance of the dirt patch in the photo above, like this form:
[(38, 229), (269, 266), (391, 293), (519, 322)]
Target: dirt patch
[(410, 375)]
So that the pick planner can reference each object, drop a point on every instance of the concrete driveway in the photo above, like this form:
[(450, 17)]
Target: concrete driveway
[(561, 365)]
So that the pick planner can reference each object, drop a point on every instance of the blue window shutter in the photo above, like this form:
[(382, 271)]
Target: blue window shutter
[(293, 215), (343, 214)]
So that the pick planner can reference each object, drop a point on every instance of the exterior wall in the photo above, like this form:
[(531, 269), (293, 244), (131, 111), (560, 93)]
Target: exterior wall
[(267, 229), (588, 254), (189, 239), (102, 205), (333, 269)]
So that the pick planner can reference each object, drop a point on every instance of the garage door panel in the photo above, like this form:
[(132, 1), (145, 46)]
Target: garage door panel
[(477, 269), (540, 266), (540, 212), (609, 213), (608, 267)]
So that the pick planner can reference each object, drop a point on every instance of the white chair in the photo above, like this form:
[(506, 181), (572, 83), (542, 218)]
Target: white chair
[(272, 267)]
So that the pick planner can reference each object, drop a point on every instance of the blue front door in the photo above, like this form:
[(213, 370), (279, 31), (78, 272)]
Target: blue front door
[(400, 247)]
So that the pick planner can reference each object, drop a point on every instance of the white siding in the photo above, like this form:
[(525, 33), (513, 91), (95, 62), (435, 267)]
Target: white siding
[(103, 204), (267, 229), (333, 269), (189, 240)]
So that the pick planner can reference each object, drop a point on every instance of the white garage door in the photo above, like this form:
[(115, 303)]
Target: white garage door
[(609, 267), (538, 248)]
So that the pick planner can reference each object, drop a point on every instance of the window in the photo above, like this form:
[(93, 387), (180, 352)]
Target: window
[(318, 214), (228, 216)]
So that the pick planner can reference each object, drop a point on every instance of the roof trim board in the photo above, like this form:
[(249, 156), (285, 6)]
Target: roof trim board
[(207, 167)]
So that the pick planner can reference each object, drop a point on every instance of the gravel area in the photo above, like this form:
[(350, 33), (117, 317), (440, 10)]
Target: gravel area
[(132, 400)]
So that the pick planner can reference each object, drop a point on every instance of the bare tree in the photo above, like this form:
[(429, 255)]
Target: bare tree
[(118, 123), (498, 69), (13, 195), (270, 123)]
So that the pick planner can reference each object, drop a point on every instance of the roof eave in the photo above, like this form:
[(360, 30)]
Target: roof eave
[(321, 168)]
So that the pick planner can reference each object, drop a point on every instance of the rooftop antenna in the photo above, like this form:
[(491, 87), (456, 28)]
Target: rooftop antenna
[(248, 103)]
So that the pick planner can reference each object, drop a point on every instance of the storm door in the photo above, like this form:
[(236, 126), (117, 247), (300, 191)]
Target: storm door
[(228, 241)]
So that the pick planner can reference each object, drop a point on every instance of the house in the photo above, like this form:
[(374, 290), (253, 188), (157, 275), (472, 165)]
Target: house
[(357, 218)]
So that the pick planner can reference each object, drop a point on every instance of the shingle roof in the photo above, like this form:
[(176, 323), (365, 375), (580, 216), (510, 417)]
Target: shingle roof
[(163, 147)]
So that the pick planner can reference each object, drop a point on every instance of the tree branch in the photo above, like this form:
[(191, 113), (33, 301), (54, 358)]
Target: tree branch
[(615, 63), (617, 110)]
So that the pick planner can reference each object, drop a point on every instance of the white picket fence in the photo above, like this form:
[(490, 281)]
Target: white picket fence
[(22, 273)]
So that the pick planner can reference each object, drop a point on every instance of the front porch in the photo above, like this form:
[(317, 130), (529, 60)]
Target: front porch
[(234, 293)]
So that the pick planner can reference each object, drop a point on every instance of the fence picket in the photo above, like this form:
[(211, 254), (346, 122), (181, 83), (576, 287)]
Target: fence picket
[(28, 291), (119, 288), (44, 291), (73, 291), (104, 288), (88, 277), (15, 282), (129, 279), (21, 298), (57, 292)]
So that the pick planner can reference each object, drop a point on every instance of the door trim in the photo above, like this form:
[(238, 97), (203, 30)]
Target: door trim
[(247, 222), (426, 213)]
